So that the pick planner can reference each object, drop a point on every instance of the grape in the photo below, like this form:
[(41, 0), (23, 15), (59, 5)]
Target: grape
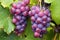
[(44, 17), (18, 6), (36, 34), (17, 11), (37, 10), (20, 12), (40, 20), (44, 23), (18, 26), (30, 13), (27, 8), (22, 8), (14, 20), (14, 5), (47, 25), (23, 18), (33, 18), (33, 7), (23, 4), (34, 26), (41, 14), (18, 17), (38, 30), (40, 26), (12, 10), (26, 1), (48, 19), (25, 13), (17, 23), (36, 15)]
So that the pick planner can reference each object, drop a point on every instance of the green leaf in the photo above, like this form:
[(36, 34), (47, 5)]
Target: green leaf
[(4, 36), (55, 11), (8, 26), (6, 3), (34, 2), (48, 1), (49, 35), (27, 35), (49, 28), (5, 20), (16, 1)]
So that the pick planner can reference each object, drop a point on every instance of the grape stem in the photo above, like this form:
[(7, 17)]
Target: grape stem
[(40, 3), (59, 36), (55, 36)]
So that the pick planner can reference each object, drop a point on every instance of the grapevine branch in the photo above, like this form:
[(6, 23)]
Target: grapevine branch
[(55, 36)]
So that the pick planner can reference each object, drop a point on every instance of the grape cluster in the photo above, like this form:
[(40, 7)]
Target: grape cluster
[(20, 11), (40, 20)]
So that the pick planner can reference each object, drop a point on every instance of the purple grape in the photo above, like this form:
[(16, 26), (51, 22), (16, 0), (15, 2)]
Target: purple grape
[(23, 18), (23, 25), (44, 23), (40, 26), (41, 14), (33, 7), (37, 10), (14, 20), (23, 4), (30, 13), (46, 12), (18, 27), (33, 12), (22, 8), (27, 8), (40, 20), (36, 16), (14, 5), (18, 17), (34, 26), (21, 21), (18, 6), (38, 30), (21, 30), (12, 10), (26, 1), (33, 18), (48, 24), (44, 29), (36, 34), (48, 19), (41, 36), (20, 12), (44, 18), (25, 13), (17, 23)]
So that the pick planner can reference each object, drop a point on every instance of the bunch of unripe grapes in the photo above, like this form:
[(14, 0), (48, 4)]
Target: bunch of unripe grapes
[(40, 18), (20, 11)]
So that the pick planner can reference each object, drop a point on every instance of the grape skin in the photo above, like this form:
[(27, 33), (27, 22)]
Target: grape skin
[(20, 11), (40, 19)]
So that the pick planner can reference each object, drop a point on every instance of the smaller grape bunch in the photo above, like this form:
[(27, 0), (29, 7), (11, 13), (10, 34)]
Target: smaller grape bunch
[(20, 11), (40, 20)]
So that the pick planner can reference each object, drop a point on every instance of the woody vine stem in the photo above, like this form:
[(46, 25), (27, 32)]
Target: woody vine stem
[(40, 3)]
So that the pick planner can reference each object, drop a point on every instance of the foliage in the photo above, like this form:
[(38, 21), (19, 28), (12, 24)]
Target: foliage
[(55, 11), (6, 25)]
